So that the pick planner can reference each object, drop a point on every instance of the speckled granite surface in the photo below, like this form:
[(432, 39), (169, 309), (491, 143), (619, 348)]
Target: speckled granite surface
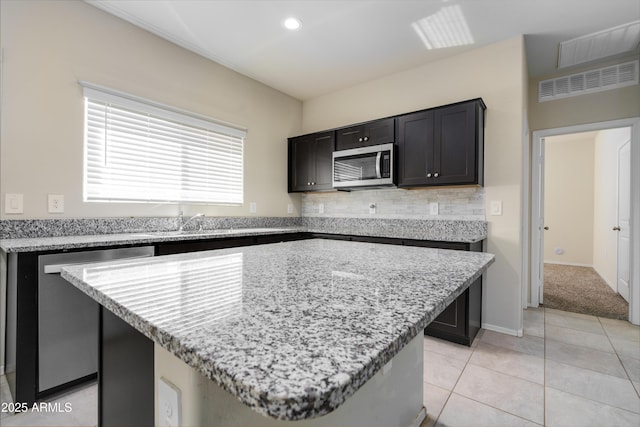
[(38, 228), (101, 240), (441, 230), (291, 329), (41, 235)]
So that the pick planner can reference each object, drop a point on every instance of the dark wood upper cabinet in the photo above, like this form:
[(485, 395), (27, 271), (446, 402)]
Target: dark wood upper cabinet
[(442, 146), (310, 158), (437, 146), (372, 133)]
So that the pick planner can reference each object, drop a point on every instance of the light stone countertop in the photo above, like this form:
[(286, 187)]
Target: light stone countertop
[(444, 230), (35, 244), (291, 329)]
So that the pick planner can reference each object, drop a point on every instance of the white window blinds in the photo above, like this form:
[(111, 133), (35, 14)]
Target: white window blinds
[(140, 151)]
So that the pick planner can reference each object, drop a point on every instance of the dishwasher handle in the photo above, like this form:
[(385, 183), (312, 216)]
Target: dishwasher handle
[(57, 268)]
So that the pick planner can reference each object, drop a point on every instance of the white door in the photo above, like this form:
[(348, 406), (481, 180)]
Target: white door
[(624, 215), (537, 216)]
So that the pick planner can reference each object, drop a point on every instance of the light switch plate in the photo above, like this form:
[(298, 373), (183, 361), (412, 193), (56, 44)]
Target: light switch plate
[(55, 203), (433, 208), (169, 404), (290, 208), (495, 207), (13, 203), (253, 207), (320, 208)]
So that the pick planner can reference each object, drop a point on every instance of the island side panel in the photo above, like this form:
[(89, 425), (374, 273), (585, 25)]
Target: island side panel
[(393, 398), (125, 374)]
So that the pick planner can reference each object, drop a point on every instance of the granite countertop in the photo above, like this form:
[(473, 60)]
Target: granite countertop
[(33, 244), (441, 230), (291, 329)]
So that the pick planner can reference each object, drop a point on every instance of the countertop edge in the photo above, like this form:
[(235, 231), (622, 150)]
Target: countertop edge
[(31, 244)]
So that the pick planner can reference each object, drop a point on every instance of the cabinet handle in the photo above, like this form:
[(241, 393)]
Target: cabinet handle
[(429, 175), (313, 183), (308, 183), (546, 228), (366, 138), (435, 175), (616, 228), (360, 139)]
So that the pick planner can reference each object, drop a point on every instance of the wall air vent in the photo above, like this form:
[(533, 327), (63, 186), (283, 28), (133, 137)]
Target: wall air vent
[(613, 77)]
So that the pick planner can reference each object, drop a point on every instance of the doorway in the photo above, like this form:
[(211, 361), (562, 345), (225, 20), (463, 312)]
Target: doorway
[(583, 192), (536, 222)]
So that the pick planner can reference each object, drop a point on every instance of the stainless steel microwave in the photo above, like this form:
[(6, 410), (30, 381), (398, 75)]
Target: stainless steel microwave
[(364, 167)]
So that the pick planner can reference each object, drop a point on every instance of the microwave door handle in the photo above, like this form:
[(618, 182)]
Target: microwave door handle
[(378, 161)]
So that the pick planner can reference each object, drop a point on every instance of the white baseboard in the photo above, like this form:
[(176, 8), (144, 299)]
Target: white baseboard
[(572, 264), (500, 329), (419, 418)]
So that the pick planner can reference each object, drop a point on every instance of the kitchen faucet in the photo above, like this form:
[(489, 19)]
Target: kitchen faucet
[(182, 223)]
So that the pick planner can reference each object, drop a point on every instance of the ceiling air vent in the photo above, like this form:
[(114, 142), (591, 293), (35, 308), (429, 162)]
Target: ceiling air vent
[(606, 78), (602, 44)]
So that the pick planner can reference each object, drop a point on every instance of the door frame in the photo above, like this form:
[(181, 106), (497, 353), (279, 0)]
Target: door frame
[(531, 220)]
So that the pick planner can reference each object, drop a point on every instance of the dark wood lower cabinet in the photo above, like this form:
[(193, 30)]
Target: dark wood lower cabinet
[(461, 320)]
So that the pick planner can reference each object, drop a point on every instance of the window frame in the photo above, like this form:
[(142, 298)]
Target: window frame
[(221, 141)]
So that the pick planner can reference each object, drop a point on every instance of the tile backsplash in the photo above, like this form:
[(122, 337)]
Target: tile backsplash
[(459, 203)]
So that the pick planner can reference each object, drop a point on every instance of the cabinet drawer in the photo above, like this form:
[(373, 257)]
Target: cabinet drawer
[(372, 133)]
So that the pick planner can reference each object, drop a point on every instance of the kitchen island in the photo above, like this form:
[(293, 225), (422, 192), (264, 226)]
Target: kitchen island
[(293, 330)]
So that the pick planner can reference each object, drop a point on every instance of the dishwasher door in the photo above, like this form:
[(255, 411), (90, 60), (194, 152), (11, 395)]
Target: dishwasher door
[(68, 319)]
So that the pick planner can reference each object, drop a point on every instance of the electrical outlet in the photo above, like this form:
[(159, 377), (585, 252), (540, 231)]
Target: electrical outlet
[(495, 207), (13, 203), (320, 208), (372, 208), (290, 208), (433, 208), (253, 207), (169, 404), (55, 203)]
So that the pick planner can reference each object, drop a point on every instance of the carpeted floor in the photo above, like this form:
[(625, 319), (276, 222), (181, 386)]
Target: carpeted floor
[(581, 290)]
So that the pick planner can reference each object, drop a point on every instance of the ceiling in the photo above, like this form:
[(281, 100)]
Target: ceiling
[(345, 42)]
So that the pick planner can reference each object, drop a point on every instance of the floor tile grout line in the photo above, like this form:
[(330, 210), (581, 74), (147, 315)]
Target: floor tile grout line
[(619, 359), (451, 392), (497, 409), (593, 400)]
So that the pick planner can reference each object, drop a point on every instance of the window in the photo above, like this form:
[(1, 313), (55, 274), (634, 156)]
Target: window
[(140, 151)]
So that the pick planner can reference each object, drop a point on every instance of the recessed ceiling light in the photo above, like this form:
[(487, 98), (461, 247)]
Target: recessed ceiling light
[(292, 23)]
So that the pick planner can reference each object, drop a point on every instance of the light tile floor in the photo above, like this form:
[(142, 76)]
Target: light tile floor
[(568, 370)]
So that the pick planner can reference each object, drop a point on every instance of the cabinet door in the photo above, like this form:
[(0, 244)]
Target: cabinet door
[(454, 150), (415, 148), (324, 145), (300, 163), (310, 159), (372, 133)]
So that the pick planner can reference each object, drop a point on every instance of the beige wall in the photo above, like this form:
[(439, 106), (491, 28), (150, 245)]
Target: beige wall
[(48, 46), (497, 73), (568, 199), (579, 110), (605, 240)]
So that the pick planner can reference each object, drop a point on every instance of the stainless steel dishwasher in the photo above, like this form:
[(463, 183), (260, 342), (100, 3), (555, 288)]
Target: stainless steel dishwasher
[(68, 319)]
